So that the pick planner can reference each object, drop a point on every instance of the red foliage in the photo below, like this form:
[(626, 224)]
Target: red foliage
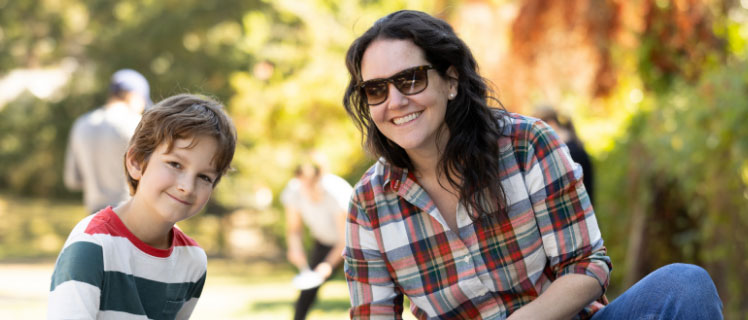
[(567, 45)]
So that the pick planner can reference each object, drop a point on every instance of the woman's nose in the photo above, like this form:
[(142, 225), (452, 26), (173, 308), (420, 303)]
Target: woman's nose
[(395, 97)]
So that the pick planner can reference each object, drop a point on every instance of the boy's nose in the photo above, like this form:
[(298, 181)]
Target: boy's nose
[(185, 184)]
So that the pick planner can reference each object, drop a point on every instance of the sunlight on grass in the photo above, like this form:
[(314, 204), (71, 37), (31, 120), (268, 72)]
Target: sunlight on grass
[(260, 290), (35, 228)]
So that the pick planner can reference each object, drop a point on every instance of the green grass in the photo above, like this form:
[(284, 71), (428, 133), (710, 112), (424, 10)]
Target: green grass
[(35, 228), (246, 290)]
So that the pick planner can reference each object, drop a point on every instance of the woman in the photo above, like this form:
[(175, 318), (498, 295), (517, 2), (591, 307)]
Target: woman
[(471, 212)]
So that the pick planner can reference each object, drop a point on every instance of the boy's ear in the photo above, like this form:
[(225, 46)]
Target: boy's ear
[(134, 168)]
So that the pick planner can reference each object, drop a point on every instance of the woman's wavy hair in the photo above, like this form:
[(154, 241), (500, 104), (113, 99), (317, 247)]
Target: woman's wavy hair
[(183, 116), (470, 159)]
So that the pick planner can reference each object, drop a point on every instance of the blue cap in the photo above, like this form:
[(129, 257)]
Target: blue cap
[(129, 80)]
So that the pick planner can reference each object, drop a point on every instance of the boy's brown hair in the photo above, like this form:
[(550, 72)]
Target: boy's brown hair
[(179, 117)]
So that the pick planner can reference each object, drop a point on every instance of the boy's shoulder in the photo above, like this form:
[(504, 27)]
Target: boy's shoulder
[(87, 227)]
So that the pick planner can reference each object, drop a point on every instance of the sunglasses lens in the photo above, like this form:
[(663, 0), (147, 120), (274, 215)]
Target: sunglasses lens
[(376, 92), (408, 82), (412, 82)]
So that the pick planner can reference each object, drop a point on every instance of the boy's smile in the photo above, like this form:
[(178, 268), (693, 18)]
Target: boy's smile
[(178, 200)]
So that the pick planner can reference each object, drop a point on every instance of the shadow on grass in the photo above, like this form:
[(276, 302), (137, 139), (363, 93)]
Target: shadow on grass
[(335, 305)]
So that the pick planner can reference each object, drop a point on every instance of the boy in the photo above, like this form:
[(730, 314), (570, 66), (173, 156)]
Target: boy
[(131, 262)]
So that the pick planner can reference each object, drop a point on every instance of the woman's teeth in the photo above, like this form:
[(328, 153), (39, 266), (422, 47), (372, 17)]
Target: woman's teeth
[(408, 118)]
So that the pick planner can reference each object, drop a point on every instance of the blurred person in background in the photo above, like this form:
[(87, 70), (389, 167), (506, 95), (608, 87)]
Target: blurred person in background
[(98, 141), (564, 127), (471, 211), (318, 200)]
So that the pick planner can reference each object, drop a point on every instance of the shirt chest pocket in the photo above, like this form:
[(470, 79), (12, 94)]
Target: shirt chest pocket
[(174, 296), (171, 308)]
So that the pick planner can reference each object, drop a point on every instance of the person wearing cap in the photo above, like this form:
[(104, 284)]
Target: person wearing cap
[(98, 141)]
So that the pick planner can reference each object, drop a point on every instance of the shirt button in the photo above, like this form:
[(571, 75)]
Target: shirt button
[(466, 259)]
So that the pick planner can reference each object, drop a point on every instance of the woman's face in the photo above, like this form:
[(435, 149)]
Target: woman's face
[(410, 121)]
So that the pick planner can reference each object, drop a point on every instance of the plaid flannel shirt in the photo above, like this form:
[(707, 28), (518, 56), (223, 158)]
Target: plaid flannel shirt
[(397, 242)]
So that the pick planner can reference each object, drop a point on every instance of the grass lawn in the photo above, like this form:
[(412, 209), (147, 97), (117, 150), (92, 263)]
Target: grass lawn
[(235, 290)]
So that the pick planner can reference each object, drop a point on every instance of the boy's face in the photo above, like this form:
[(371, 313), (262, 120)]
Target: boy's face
[(176, 185)]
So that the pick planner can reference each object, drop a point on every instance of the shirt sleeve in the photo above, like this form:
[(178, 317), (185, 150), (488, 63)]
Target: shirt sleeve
[(372, 291), (71, 174), (76, 282), (564, 213), (290, 193), (340, 190)]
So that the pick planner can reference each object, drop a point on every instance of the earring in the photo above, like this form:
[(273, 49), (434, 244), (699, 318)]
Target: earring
[(451, 95)]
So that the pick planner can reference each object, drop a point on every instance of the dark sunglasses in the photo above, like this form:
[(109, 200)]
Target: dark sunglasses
[(409, 82)]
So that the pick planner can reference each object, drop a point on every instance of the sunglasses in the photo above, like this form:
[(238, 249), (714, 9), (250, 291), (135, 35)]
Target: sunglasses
[(409, 82)]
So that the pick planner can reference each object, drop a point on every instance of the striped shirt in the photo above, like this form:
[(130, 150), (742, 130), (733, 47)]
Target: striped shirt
[(398, 244), (105, 272)]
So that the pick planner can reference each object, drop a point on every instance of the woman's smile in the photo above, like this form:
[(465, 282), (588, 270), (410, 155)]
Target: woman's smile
[(408, 118)]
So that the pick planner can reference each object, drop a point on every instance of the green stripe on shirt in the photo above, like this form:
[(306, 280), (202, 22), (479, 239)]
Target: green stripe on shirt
[(135, 295), (81, 261)]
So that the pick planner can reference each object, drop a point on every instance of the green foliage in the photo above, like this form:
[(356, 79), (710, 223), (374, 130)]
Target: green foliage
[(683, 163), (33, 138), (277, 65), (289, 102), (35, 228)]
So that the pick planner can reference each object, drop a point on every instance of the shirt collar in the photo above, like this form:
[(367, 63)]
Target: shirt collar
[(394, 178)]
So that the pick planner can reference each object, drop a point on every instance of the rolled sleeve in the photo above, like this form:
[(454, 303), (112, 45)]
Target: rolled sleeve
[(570, 233), (372, 292)]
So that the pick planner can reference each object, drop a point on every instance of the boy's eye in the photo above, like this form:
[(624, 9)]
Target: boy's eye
[(206, 178), (175, 165)]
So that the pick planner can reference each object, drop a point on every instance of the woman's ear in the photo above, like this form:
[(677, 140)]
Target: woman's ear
[(134, 167), (453, 78)]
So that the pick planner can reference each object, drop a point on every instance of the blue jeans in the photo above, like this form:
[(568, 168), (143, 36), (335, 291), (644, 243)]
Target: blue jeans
[(675, 291)]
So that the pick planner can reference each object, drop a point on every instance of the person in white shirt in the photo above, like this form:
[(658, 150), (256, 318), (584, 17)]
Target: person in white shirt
[(318, 200), (98, 141)]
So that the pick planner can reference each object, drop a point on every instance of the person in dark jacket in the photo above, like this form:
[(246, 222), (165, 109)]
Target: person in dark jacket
[(564, 127)]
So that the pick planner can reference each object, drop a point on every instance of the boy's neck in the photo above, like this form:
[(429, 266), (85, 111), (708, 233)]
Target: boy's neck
[(153, 234)]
